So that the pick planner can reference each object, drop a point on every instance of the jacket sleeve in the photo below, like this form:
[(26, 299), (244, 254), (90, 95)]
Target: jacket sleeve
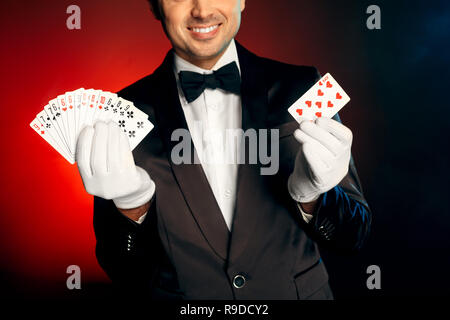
[(343, 218), (125, 248)]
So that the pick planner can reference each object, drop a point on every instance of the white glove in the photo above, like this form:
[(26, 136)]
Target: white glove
[(107, 168), (323, 159)]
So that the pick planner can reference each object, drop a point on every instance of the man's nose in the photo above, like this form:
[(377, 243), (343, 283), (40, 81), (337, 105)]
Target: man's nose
[(201, 9)]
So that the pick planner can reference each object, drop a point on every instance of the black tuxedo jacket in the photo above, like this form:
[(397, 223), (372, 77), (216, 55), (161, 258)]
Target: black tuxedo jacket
[(183, 249)]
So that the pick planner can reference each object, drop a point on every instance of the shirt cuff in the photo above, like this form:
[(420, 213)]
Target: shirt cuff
[(141, 218), (306, 216)]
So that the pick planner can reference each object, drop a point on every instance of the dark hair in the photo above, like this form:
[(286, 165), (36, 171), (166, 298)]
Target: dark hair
[(156, 10)]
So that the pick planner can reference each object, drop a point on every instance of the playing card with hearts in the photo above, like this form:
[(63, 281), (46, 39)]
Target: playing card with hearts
[(324, 99), (63, 118)]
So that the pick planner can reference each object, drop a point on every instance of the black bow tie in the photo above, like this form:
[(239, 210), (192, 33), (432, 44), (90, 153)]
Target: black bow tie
[(226, 78)]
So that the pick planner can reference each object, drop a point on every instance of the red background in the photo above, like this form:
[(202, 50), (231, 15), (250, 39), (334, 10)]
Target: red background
[(46, 216)]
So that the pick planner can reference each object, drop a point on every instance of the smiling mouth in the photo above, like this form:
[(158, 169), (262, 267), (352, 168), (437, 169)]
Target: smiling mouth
[(204, 29)]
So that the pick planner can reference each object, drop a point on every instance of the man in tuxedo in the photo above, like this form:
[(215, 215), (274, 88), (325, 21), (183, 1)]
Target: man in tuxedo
[(203, 230)]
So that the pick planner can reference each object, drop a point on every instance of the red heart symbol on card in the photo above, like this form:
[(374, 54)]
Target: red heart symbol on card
[(319, 114), (320, 93), (338, 96), (299, 111), (64, 109), (330, 105), (91, 106), (308, 103), (319, 104), (320, 83), (329, 85), (99, 107), (70, 107), (42, 132)]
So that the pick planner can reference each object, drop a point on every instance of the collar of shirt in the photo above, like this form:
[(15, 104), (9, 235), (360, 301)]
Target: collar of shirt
[(229, 56)]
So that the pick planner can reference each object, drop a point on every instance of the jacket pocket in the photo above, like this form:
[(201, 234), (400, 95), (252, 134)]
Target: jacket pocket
[(313, 283)]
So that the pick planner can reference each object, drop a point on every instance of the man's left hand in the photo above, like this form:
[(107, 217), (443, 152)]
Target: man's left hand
[(323, 159)]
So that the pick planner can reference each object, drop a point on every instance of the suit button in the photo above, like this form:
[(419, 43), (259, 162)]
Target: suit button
[(238, 281)]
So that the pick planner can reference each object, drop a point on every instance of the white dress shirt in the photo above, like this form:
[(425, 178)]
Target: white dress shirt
[(207, 117)]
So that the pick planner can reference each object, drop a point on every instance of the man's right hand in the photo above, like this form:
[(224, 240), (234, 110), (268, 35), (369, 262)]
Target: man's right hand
[(107, 167)]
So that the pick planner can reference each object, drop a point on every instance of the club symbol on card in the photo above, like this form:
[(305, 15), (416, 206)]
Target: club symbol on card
[(131, 133), (320, 92), (122, 123), (330, 105), (140, 124), (130, 114), (299, 111), (319, 114), (308, 103), (122, 112), (114, 110), (329, 85), (338, 96), (319, 104), (47, 125)]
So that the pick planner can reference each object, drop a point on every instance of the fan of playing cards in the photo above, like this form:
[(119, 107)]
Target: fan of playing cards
[(63, 118)]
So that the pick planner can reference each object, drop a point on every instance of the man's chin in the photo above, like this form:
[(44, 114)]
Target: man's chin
[(208, 50)]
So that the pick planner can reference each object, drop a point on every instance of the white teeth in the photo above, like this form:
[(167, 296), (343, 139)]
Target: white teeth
[(205, 30)]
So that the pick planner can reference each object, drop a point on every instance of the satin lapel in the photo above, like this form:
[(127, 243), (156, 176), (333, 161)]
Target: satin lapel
[(249, 186), (190, 177)]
